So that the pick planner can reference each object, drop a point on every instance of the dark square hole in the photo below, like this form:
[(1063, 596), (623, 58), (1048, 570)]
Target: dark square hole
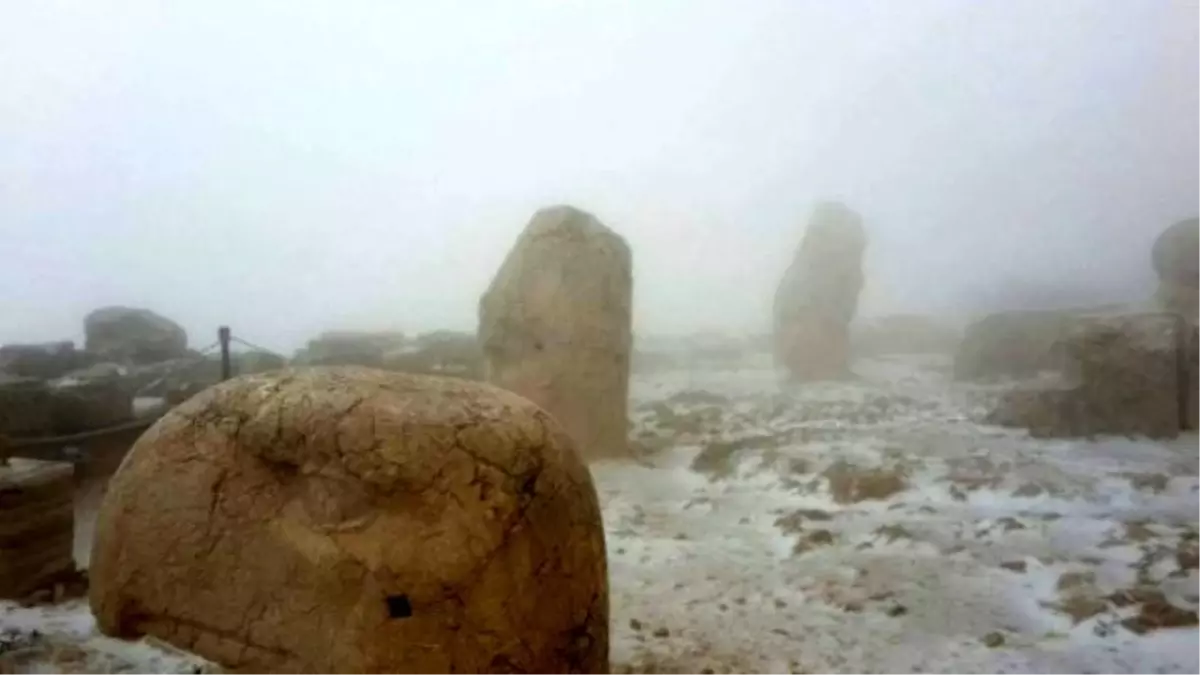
[(399, 607)]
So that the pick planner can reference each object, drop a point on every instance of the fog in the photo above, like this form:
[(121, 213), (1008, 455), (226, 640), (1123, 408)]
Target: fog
[(291, 167)]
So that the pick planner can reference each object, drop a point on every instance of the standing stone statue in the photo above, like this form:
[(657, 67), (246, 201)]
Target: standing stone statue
[(555, 326), (818, 296), (1176, 258)]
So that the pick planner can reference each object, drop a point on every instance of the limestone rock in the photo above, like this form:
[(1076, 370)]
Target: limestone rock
[(818, 296), (1121, 375), (355, 520), (137, 336), (556, 326), (1011, 344), (43, 361)]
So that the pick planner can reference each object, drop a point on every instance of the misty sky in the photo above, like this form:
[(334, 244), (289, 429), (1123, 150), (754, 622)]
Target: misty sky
[(288, 167)]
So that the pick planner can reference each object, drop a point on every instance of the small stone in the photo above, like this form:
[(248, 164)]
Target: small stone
[(780, 604), (635, 624), (993, 639), (662, 632), (853, 607), (897, 610), (1015, 565)]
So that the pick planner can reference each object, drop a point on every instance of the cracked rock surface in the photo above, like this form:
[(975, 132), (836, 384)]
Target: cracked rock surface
[(352, 520)]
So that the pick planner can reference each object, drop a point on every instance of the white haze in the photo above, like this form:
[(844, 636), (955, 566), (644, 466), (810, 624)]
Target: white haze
[(288, 167)]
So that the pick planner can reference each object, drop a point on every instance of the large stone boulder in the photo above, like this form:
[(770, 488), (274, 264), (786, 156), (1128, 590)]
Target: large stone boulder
[(43, 361), (556, 326), (1121, 375), (1011, 344), (818, 295), (354, 520), (1176, 258), (133, 336)]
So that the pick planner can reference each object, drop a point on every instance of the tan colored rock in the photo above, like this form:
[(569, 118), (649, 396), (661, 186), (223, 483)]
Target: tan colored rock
[(556, 326), (818, 295), (354, 520), (1121, 375)]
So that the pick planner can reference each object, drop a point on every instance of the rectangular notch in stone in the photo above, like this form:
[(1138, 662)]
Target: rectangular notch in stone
[(399, 607)]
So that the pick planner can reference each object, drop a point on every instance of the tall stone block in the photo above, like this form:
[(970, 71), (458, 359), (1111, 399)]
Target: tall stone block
[(818, 296), (555, 326)]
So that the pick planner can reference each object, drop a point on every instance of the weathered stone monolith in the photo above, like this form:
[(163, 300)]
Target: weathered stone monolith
[(556, 326), (818, 296)]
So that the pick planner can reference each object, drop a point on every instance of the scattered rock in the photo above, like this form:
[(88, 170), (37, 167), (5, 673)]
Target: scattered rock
[(993, 640), (793, 523), (556, 326), (812, 540), (849, 483), (897, 610), (1015, 565), (662, 632), (305, 477)]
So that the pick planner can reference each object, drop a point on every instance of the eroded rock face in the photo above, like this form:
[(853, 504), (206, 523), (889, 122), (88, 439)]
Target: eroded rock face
[(818, 296), (134, 336), (556, 326), (354, 520), (1122, 375)]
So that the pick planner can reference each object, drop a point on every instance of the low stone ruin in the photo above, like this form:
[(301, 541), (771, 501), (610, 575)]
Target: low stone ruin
[(1176, 258), (354, 520), (818, 296), (1129, 374), (350, 348), (556, 326)]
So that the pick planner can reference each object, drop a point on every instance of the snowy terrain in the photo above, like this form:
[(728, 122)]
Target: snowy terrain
[(866, 526)]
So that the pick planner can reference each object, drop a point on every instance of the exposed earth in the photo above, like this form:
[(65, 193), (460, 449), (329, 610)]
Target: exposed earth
[(859, 526)]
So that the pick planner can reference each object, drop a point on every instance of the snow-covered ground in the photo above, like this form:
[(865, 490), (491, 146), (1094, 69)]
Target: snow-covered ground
[(863, 526)]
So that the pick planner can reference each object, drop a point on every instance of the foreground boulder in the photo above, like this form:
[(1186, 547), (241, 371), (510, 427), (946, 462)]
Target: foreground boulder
[(818, 296), (1130, 375), (133, 336), (556, 326), (354, 520), (1176, 258)]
